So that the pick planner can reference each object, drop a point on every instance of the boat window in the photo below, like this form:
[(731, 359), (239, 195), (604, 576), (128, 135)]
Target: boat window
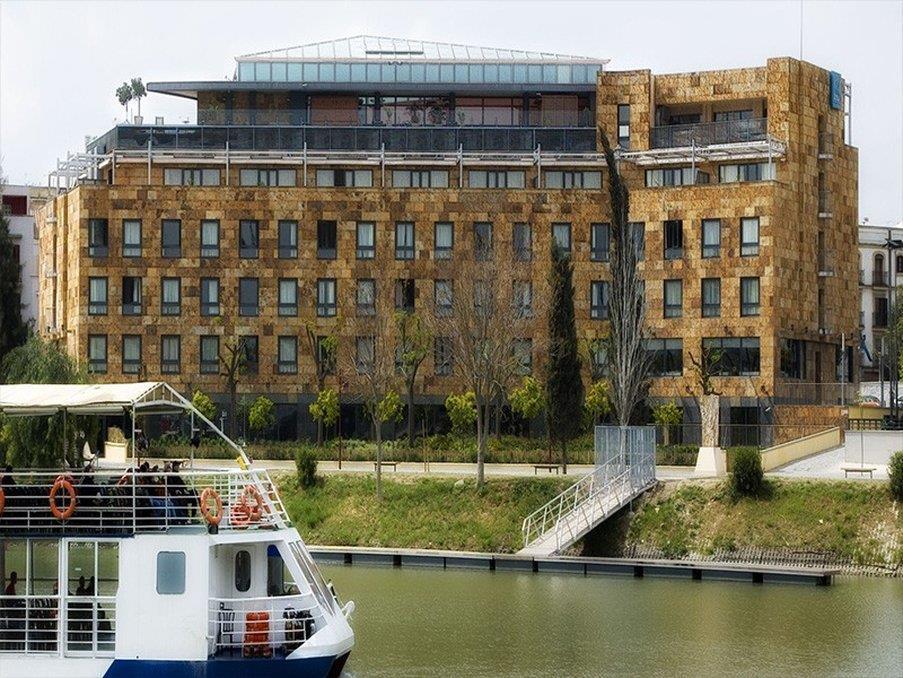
[(170, 572), (242, 571), (107, 568), (279, 578), (13, 564), (82, 575), (45, 563)]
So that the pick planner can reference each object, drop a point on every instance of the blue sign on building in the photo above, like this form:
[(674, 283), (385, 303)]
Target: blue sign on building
[(835, 90)]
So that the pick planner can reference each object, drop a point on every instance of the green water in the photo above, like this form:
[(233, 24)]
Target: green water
[(419, 622)]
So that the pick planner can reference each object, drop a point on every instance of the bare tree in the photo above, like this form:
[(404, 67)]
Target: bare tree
[(323, 350), (628, 360), (484, 332), (413, 346)]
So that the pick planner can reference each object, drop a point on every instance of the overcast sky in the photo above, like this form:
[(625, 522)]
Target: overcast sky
[(61, 62)]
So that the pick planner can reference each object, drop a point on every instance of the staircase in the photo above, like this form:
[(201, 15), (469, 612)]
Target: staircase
[(620, 476)]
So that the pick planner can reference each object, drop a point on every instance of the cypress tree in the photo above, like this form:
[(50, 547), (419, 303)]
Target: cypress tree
[(13, 331), (564, 386)]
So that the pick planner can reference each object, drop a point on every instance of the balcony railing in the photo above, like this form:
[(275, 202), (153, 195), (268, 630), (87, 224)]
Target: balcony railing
[(709, 133), (348, 138), (880, 279), (34, 624), (262, 627)]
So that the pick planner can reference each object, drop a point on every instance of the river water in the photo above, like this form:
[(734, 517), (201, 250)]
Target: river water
[(421, 622)]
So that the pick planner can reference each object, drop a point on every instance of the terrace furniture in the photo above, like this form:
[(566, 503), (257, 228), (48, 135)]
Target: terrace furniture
[(549, 467), (393, 464), (858, 468)]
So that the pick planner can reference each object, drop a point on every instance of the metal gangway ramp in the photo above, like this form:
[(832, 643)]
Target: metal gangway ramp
[(625, 468)]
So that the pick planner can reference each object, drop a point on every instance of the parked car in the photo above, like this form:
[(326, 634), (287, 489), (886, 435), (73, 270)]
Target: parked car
[(869, 401)]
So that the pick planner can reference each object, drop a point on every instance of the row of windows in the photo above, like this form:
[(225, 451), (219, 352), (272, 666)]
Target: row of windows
[(443, 239), (721, 356), (727, 174), (711, 297)]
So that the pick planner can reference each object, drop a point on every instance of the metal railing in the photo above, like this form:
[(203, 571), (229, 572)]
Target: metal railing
[(347, 138), (261, 627), (116, 502), (710, 133), (33, 625)]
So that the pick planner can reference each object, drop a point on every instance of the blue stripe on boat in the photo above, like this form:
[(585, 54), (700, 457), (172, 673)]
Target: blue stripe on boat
[(313, 667)]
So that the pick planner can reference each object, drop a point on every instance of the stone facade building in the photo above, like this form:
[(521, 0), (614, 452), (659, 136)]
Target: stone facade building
[(319, 178)]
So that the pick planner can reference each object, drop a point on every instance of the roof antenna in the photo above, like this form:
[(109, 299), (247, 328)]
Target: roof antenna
[(801, 30)]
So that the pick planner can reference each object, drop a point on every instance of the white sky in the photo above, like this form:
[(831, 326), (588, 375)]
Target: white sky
[(61, 62)]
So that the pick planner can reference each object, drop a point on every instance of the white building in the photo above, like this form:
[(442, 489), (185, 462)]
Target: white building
[(19, 205), (880, 273)]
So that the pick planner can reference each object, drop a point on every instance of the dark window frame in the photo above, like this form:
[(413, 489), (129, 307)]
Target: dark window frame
[(210, 308), (98, 246), (170, 366), (750, 309), (132, 365), (404, 250), (208, 365), (327, 238), (251, 250), (98, 365), (671, 310), (709, 309), (246, 309), (523, 251), (710, 250), (599, 311), (365, 309), (327, 309), (287, 309), (443, 252), (287, 248), (749, 248), (596, 251), (96, 306), (673, 239), (131, 249), (133, 307), (170, 308), (170, 250), (283, 365), (207, 250)]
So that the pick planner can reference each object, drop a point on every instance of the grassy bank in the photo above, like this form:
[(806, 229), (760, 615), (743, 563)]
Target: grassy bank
[(856, 522), (429, 513)]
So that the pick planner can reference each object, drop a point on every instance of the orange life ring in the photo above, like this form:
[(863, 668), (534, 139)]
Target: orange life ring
[(240, 516), (204, 501), (2, 500), (259, 508), (61, 483)]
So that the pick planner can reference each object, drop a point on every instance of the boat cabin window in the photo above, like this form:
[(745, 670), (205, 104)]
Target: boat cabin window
[(242, 571), (279, 579), (170, 572)]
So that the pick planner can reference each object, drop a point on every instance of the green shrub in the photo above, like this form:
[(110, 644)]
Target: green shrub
[(306, 463), (747, 478), (261, 415), (462, 411), (895, 471), (676, 455)]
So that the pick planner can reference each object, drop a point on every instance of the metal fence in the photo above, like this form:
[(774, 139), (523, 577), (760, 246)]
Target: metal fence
[(709, 133), (33, 625), (631, 447), (741, 435), (262, 627)]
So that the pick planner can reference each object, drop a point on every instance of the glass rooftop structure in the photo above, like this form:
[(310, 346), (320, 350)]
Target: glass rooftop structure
[(372, 59)]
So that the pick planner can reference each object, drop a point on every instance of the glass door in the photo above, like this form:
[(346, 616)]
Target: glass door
[(91, 581)]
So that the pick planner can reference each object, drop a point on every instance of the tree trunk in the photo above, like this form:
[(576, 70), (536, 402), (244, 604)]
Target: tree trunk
[(498, 420), (319, 433), (564, 457), (666, 435), (232, 398), (379, 459), (482, 423), (410, 416)]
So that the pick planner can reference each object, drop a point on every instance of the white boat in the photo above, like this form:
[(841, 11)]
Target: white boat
[(122, 573)]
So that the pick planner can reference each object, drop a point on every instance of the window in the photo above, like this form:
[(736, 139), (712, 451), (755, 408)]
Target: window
[(326, 239), (248, 239), (171, 239), (443, 359), (288, 239), (523, 242), (711, 238), (326, 306), (366, 240), (443, 297), (731, 356), (674, 298), (131, 353), (749, 296), (191, 177), (749, 236), (287, 358), (242, 571), (761, 171), (338, 177), (131, 295), (624, 126), (674, 239), (404, 295), (711, 297), (600, 242), (404, 240), (366, 297), (495, 179), (724, 116), (364, 351), (251, 347), (288, 297), (666, 357), (131, 238), (98, 238), (675, 176), (571, 179), (638, 232), (793, 358), (444, 234), (209, 354), (420, 179), (482, 240), (171, 296), (209, 296), (248, 296), (209, 239), (598, 299), (170, 573), (899, 263), (267, 177), (561, 236), (523, 354), (97, 353), (326, 354), (482, 298), (97, 296), (170, 353), (522, 298)]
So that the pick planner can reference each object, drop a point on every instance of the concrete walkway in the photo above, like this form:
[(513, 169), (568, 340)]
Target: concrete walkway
[(824, 466)]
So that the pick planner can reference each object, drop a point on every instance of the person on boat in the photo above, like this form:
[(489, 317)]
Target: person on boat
[(183, 496), (12, 615), (6, 480), (10, 589)]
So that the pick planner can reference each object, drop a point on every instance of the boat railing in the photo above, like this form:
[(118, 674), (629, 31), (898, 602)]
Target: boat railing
[(125, 502), (261, 627), (33, 624)]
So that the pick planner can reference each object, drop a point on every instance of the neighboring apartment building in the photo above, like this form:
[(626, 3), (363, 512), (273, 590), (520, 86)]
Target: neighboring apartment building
[(19, 206), (880, 274), (324, 174)]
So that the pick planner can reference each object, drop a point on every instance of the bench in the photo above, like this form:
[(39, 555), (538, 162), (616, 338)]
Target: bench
[(393, 464), (858, 468), (549, 467)]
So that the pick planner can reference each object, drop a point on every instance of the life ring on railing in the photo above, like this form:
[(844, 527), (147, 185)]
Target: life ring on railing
[(256, 511), (211, 517), (61, 483), (240, 515)]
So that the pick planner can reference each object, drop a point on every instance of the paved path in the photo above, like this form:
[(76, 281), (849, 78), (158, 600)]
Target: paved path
[(824, 466)]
